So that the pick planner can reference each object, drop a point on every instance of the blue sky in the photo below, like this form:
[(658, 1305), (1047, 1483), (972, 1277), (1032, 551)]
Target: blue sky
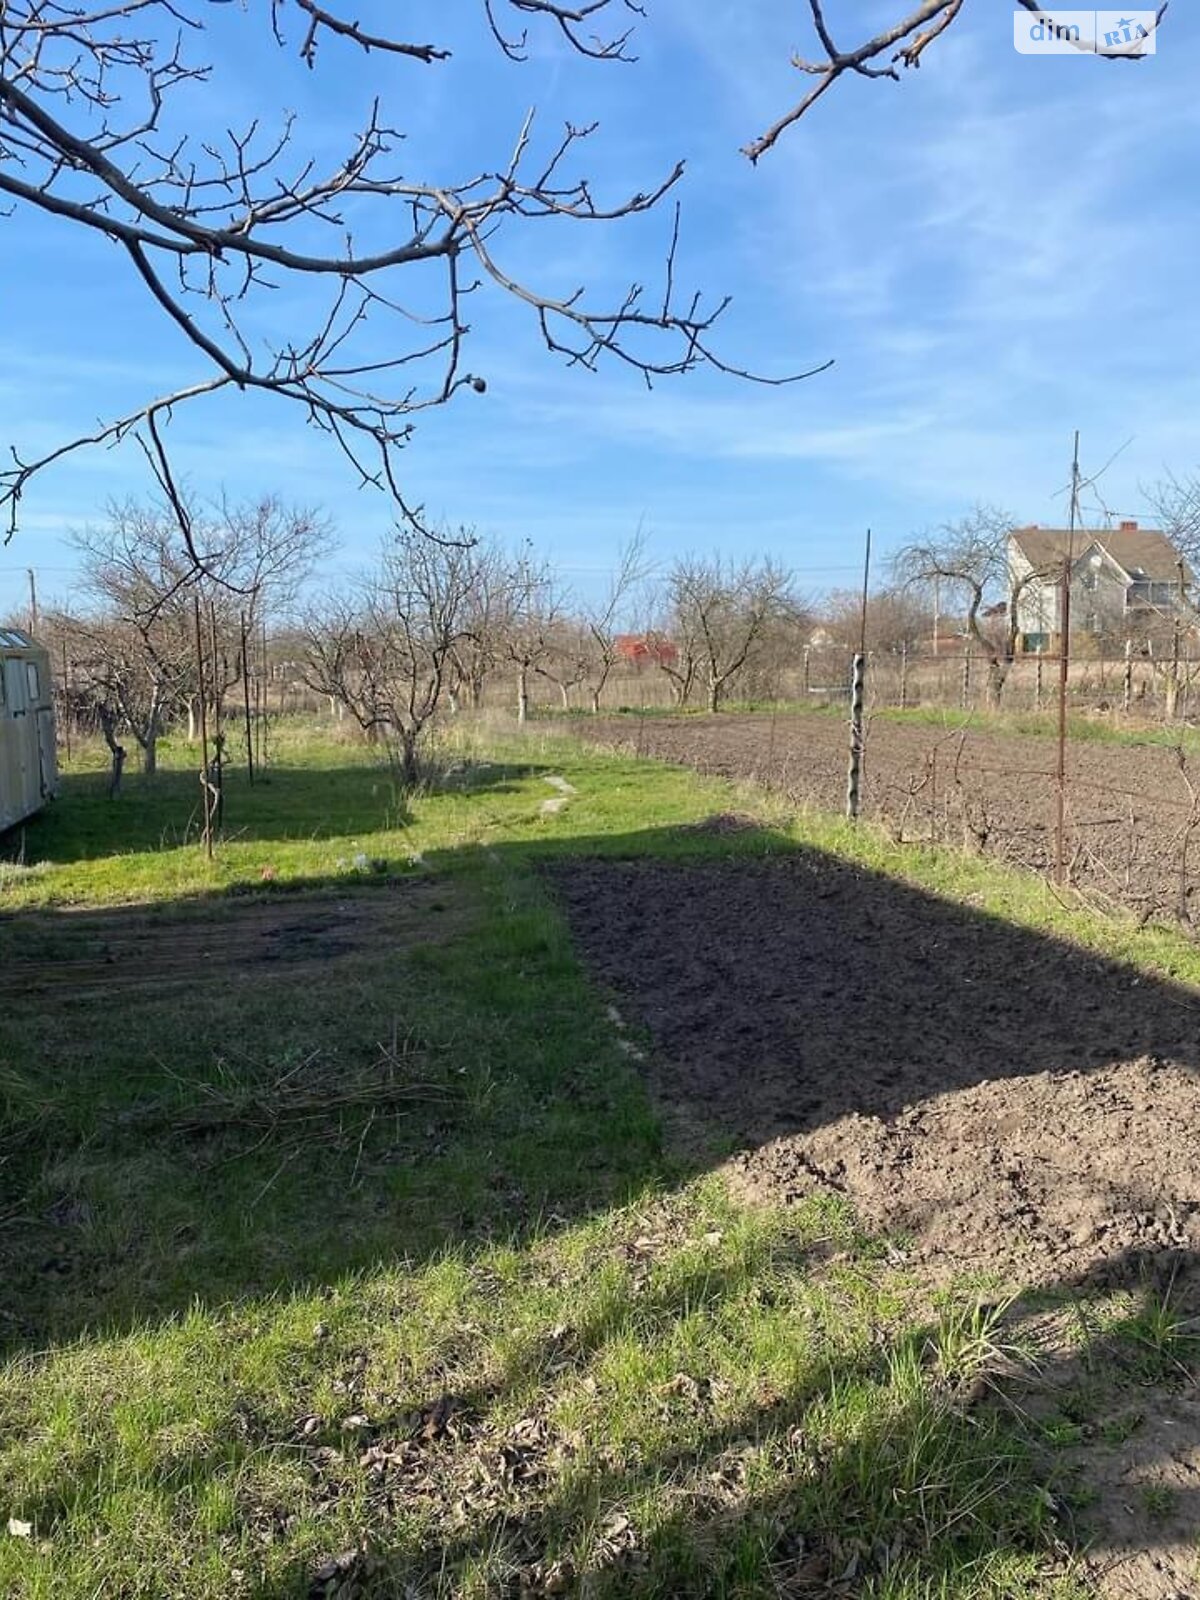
[(997, 251)]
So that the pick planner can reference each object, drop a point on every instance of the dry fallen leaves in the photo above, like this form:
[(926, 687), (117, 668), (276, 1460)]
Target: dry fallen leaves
[(344, 1576)]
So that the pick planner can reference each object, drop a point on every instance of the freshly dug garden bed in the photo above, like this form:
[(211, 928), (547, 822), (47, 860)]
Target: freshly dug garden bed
[(990, 1097), (1132, 811)]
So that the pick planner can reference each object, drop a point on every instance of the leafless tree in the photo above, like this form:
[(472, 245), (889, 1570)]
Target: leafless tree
[(112, 122), (262, 551), (533, 615), (673, 643), (897, 617), (721, 613), (569, 659), (131, 677), (256, 556), (971, 558), (133, 641), (603, 619), (900, 45), (1176, 503), (479, 643), (136, 629), (386, 654)]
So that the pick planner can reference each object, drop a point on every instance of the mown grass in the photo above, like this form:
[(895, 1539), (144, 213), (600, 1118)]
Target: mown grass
[(498, 1339)]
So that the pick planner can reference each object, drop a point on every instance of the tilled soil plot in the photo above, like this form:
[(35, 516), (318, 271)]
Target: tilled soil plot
[(992, 1099), (1133, 821), (1002, 1100)]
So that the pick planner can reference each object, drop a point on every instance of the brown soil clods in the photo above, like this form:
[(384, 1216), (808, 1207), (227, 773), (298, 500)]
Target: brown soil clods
[(1001, 1099)]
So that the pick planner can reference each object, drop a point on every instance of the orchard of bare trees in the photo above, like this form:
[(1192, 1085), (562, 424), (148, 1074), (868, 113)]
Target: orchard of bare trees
[(444, 623), (452, 621), (152, 640), (447, 622)]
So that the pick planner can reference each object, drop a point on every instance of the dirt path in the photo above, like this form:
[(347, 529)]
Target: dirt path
[(75, 956)]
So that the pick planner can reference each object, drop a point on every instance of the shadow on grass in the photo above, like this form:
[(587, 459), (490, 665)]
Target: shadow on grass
[(783, 991), (165, 812)]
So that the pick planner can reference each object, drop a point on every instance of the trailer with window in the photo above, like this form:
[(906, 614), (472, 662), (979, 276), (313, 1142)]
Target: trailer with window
[(28, 752)]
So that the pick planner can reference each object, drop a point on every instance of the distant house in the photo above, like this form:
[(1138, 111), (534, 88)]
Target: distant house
[(1123, 581), (645, 650)]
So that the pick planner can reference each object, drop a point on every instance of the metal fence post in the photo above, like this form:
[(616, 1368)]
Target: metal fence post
[(854, 777), (1127, 695)]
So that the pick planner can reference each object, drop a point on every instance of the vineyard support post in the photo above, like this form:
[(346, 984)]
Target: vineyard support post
[(854, 777)]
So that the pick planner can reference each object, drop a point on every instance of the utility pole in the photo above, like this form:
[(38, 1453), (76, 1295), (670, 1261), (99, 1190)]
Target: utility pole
[(1064, 667), (33, 605)]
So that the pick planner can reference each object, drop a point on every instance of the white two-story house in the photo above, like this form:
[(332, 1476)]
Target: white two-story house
[(1124, 580)]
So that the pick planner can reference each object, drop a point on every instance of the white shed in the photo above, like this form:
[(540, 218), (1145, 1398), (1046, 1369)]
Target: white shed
[(28, 752)]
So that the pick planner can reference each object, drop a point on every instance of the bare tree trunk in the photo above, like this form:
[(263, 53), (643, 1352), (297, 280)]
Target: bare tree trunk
[(714, 695), (680, 688), (192, 727), (410, 764), (566, 698), (117, 751), (522, 695), (597, 689), (149, 742), (997, 672), (1172, 697)]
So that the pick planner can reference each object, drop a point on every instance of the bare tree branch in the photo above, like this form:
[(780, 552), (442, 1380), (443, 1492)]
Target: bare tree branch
[(214, 221), (901, 45)]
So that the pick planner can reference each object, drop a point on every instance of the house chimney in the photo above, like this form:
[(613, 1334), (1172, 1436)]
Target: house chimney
[(1129, 527)]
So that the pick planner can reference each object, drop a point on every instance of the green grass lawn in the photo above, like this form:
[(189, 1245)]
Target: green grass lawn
[(365, 1269)]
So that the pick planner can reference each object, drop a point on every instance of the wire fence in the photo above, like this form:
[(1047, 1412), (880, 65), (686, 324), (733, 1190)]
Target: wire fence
[(937, 765), (1122, 825), (1157, 687)]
